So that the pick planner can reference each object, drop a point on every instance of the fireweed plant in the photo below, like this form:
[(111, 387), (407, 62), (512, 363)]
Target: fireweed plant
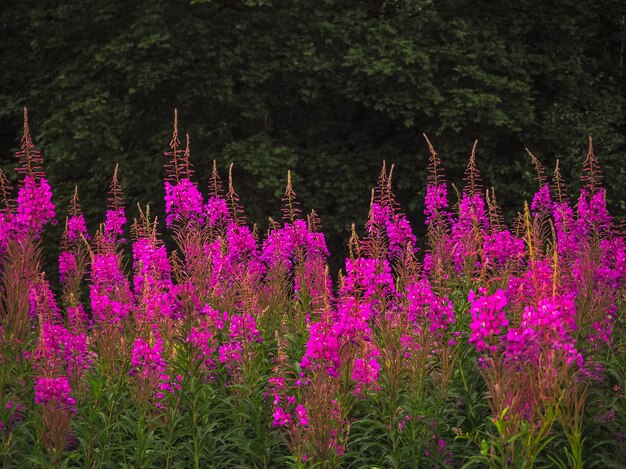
[(492, 345)]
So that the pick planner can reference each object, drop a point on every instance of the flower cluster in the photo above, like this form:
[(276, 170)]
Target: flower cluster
[(284, 245), (154, 290), (215, 212), (42, 303), (592, 212), (489, 319), (183, 202), (547, 326), (542, 202), (149, 366), (56, 392), (202, 338), (543, 309), (64, 351), (436, 201), (67, 265), (502, 247), (425, 305), (365, 371), (243, 334), (34, 207), (111, 298), (76, 228), (114, 225), (395, 227)]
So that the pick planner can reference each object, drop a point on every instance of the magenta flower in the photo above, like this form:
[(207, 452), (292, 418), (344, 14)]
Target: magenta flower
[(183, 202), (230, 354), (301, 414), (502, 247), (62, 349), (283, 245), (436, 201), (243, 329), (42, 302), (77, 318), (76, 228), (67, 265), (114, 225), (488, 318), (394, 226), (203, 340), (111, 299), (155, 292), (149, 366), (400, 235), (34, 206), (322, 348), (7, 228), (542, 202), (55, 391), (364, 373), (592, 212), (425, 305), (216, 211), (281, 418)]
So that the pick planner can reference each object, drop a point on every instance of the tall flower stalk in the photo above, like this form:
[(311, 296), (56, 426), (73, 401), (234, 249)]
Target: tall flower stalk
[(212, 340)]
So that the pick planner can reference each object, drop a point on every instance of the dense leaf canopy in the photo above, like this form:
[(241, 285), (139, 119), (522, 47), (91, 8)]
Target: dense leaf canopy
[(327, 89)]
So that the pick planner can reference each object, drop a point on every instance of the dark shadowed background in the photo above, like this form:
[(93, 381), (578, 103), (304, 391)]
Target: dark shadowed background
[(327, 89)]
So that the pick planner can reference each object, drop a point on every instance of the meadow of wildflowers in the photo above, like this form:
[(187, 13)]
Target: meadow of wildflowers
[(485, 345)]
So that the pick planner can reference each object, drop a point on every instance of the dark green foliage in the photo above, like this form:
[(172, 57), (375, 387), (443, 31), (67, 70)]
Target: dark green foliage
[(328, 89)]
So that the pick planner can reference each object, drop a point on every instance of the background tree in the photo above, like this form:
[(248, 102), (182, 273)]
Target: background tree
[(326, 88)]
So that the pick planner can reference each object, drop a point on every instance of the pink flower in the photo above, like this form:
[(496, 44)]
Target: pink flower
[(67, 265), (301, 414), (501, 247), (425, 305), (436, 201), (281, 418), (216, 211), (34, 206), (243, 328), (183, 202), (55, 391), (488, 318), (542, 201), (76, 228), (364, 373), (114, 225), (202, 339), (149, 366)]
